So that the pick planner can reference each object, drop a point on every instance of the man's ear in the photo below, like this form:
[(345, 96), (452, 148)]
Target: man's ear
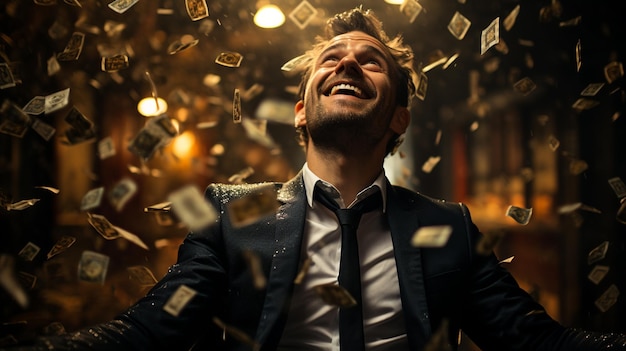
[(400, 120), (300, 119)]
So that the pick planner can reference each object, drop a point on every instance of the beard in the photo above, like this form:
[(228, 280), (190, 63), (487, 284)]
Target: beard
[(342, 130)]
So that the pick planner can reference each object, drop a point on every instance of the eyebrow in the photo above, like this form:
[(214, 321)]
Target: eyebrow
[(368, 49)]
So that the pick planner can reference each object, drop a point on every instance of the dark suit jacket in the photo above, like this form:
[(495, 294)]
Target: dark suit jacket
[(470, 291)]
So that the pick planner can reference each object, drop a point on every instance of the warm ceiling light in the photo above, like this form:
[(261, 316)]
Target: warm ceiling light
[(151, 107), (394, 2), (269, 16), (183, 144)]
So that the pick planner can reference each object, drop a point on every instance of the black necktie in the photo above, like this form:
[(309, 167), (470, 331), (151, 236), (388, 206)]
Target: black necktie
[(350, 318)]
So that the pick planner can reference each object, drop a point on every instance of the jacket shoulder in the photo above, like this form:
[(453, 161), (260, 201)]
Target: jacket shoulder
[(223, 193), (426, 203)]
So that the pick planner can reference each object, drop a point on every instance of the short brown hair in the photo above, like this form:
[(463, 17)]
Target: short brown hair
[(365, 21)]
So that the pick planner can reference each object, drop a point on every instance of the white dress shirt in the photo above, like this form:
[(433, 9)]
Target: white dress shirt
[(312, 324)]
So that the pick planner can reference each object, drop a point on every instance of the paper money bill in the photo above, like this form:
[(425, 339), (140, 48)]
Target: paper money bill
[(608, 298), (239, 177), (335, 295), (304, 270), (21, 205), (411, 8), (114, 63), (577, 206), (577, 166), (613, 71), (35, 106), (439, 340), (585, 104), (192, 208), (13, 121), (27, 280), (553, 142), (488, 241), (450, 61), (524, 86), (29, 251), (45, 130), (510, 19), (621, 212), (92, 199), (490, 36), (459, 25), (592, 89), (54, 329), (229, 59), (431, 236), (237, 107), (237, 334), (53, 66), (133, 238), (430, 164), (598, 273), (578, 54), (296, 64), (571, 22), (598, 253), (145, 144), (61, 245), (179, 299), (253, 262), (106, 148), (179, 45), (256, 130), (56, 101), (6, 76), (253, 207), (56, 270), (121, 193), (157, 133), (121, 6), (9, 282), (303, 14), (45, 2), (507, 260), (618, 186), (422, 86), (519, 214), (103, 226), (75, 3), (142, 275), (48, 188), (73, 48), (93, 267), (253, 91), (197, 9)]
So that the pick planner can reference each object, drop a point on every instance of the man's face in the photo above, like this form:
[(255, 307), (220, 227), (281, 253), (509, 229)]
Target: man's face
[(351, 92)]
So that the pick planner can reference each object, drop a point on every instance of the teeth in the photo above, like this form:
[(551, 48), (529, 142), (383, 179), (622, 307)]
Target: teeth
[(336, 88)]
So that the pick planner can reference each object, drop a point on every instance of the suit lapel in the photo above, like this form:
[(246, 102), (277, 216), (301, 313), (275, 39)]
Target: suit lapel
[(284, 268), (402, 214)]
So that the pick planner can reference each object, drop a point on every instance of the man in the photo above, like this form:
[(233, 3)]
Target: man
[(355, 95)]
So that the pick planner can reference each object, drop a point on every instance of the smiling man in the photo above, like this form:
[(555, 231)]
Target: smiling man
[(341, 271)]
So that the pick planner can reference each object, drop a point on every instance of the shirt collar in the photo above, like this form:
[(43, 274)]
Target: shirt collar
[(311, 179)]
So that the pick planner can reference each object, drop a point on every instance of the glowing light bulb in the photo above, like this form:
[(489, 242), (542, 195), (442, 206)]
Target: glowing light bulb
[(182, 145), (151, 107), (269, 16), (394, 2)]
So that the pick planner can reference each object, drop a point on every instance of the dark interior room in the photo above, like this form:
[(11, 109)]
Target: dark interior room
[(534, 119)]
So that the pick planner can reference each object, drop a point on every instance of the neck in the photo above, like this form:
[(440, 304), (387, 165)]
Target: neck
[(348, 172)]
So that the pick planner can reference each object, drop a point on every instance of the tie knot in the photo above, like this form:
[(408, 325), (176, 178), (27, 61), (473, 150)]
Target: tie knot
[(349, 216)]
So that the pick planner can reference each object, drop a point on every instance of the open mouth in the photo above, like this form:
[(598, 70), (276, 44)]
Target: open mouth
[(346, 89)]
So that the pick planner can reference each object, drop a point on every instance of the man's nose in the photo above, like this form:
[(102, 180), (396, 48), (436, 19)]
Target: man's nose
[(349, 65)]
